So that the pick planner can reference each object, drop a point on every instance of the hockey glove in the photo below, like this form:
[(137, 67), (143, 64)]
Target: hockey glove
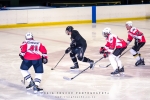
[(21, 56), (106, 54), (102, 49), (68, 50), (44, 60)]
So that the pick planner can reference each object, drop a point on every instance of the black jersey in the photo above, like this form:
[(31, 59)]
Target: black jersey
[(78, 39)]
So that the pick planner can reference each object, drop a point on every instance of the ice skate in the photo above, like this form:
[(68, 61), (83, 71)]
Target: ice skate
[(121, 71), (91, 63), (36, 89), (115, 73), (140, 62), (75, 67), (31, 84)]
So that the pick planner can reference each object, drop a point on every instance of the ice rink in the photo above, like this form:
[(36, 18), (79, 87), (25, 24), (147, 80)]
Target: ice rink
[(96, 84)]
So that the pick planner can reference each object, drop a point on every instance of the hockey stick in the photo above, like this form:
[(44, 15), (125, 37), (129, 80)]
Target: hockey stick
[(58, 62), (67, 78), (119, 57)]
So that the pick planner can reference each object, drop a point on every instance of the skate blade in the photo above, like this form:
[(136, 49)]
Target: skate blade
[(29, 89), (36, 92), (122, 73), (116, 75), (142, 64), (74, 69), (139, 65), (41, 91)]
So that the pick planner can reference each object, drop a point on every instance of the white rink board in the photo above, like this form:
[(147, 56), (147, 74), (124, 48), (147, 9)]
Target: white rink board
[(72, 14)]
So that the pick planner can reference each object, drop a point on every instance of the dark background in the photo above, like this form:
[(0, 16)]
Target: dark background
[(19, 3)]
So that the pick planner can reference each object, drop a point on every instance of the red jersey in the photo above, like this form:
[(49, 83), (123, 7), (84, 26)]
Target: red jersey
[(32, 50), (114, 42), (136, 34)]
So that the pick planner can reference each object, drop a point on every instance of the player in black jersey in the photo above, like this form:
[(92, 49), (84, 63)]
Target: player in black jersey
[(77, 47)]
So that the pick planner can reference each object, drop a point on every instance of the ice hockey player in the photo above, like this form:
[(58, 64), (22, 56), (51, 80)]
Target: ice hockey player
[(113, 49), (140, 40), (31, 51), (77, 48)]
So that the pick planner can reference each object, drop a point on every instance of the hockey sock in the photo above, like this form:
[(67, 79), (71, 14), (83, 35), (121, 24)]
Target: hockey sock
[(26, 75), (119, 62), (86, 59), (38, 77), (135, 54), (73, 58), (113, 61), (140, 56)]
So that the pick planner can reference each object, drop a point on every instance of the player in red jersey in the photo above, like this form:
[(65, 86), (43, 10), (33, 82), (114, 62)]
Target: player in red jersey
[(31, 51), (134, 33), (113, 48)]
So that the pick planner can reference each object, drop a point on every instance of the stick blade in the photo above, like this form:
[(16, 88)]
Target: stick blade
[(102, 66), (67, 78), (52, 68)]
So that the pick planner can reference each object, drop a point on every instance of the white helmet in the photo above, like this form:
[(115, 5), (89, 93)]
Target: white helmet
[(106, 31), (29, 36), (129, 23)]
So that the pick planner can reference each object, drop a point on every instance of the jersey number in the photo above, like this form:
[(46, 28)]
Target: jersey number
[(33, 48)]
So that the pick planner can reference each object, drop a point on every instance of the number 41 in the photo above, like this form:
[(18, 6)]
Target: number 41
[(33, 48)]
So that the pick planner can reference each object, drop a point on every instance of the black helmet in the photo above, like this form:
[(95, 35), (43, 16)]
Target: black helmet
[(69, 28)]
